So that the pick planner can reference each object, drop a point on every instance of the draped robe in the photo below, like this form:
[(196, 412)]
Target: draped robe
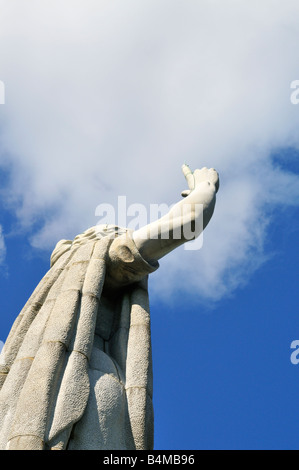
[(76, 369)]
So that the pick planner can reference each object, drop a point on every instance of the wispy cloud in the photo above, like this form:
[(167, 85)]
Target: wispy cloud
[(110, 98)]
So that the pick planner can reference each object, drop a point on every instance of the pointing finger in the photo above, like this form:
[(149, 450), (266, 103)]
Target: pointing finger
[(188, 175)]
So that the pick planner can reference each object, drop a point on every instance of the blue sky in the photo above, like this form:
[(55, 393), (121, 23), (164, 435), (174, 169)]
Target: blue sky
[(104, 99), (228, 370)]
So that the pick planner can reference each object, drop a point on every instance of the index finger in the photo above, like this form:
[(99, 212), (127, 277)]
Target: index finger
[(188, 175)]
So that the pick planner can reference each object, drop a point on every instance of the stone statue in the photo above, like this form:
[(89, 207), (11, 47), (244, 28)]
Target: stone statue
[(75, 371)]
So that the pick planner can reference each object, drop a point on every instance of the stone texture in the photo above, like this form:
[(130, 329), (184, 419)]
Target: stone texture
[(76, 369), (68, 376)]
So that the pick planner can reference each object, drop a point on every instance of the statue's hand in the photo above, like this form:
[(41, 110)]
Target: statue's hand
[(195, 178), (198, 206)]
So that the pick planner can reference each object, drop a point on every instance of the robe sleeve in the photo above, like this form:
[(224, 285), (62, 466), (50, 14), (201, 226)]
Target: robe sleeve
[(125, 263)]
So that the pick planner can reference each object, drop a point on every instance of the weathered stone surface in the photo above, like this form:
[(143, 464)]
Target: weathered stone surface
[(76, 369)]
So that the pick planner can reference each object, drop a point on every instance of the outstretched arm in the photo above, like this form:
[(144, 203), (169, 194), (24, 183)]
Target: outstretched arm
[(185, 221)]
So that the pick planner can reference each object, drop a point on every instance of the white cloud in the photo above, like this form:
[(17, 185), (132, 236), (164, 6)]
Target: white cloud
[(105, 98), (1, 345)]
